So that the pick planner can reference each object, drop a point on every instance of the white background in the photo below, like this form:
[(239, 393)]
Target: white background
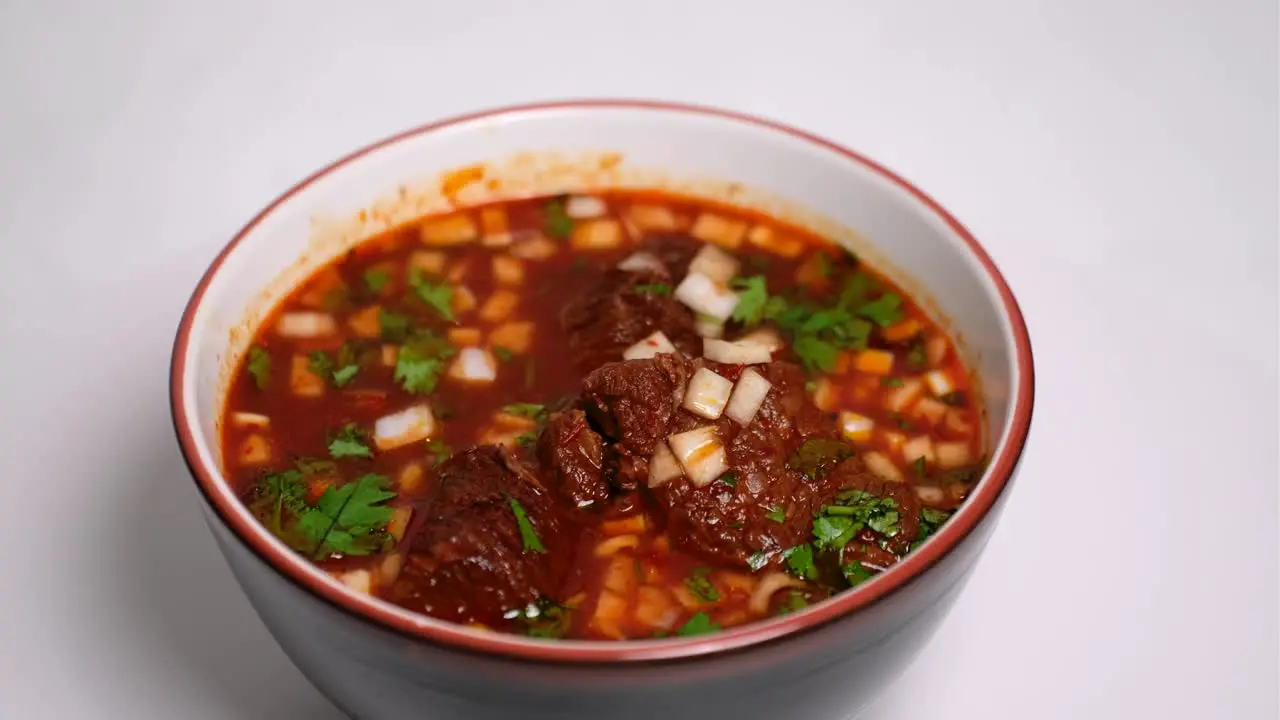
[(1118, 159)]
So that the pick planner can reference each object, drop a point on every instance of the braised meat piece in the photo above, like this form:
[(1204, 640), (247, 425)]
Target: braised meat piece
[(471, 559), (622, 310), (571, 455), (636, 402)]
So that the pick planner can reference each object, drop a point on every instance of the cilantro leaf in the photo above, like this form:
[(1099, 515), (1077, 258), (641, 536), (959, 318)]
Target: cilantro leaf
[(699, 624), (440, 449), (818, 455), (891, 382), (930, 521), (654, 289), (816, 354), (883, 311), (437, 295), (832, 532), (528, 535), (753, 295), (503, 354), (376, 279), (349, 442), (800, 562), (525, 410), (543, 618), (700, 585), (345, 374), (557, 222), (349, 519), (526, 439), (856, 573), (757, 561), (916, 356), (394, 326), (730, 479), (276, 493), (420, 363), (795, 602), (259, 366), (777, 514)]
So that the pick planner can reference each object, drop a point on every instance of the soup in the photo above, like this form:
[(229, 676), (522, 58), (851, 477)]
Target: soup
[(607, 417)]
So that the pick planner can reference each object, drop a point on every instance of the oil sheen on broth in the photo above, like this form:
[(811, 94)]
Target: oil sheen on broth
[(601, 417)]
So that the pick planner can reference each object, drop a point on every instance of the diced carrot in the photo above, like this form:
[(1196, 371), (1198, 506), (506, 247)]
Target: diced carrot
[(448, 230), (508, 270), (399, 521), (493, 220), (621, 526), (302, 381), (465, 336), (652, 574), (892, 439), (410, 479), (814, 272), (824, 394), (662, 544), (463, 299), (515, 336), (538, 247), (499, 305), (879, 362), (600, 234), (430, 262), (365, 323), (843, 362), (901, 330), (316, 488), (390, 353), (936, 350), (766, 238), (318, 290), (458, 272), (719, 230), (651, 217)]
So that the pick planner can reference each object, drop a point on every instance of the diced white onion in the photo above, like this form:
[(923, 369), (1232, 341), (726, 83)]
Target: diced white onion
[(735, 353), (930, 410), (930, 495), (636, 262), (248, 419), (707, 394), (476, 364), (855, 427), (748, 395), (952, 454), (918, 447), (703, 295), (766, 337), (770, 584), (579, 207), (882, 466), (255, 450), (939, 383), (708, 327), (714, 263), (407, 426), (305, 325), (663, 466), (359, 580), (655, 344), (701, 454), (900, 398)]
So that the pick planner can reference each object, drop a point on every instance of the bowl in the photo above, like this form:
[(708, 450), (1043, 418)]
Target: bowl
[(375, 660)]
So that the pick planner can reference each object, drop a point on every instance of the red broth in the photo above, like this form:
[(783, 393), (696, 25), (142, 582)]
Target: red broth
[(300, 439)]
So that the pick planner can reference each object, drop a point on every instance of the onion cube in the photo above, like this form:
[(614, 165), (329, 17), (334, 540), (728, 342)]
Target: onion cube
[(407, 426), (748, 395), (580, 207), (476, 364), (307, 325), (939, 383), (855, 427), (701, 454), (703, 295), (715, 263), (655, 344), (735, 353), (707, 394), (663, 466)]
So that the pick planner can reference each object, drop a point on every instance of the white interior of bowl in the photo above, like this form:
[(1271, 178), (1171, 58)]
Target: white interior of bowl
[(556, 149)]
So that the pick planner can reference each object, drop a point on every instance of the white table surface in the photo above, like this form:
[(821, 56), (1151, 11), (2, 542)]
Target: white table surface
[(1118, 159)]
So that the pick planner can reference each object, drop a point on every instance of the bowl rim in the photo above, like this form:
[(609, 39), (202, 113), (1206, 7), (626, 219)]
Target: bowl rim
[(457, 637)]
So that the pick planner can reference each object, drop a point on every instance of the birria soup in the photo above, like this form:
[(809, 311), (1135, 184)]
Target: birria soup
[(603, 417)]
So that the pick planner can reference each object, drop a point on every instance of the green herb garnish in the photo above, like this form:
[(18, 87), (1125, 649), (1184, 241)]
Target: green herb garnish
[(543, 618), (930, 521), (916, 357), (854, 510), (528, 535), (891, 382), (440, 449), (699, 624), (700, 585), (420, 362), (349, 442), (794, 602), (532, 411), (800, 562), (394, 326), (654, 289), (438, 295), (376, 279), (557, 222), (777, 514), (817, 456), (503, 354), (729, 478), (883, 311), (855, 573), (757, 561), (259, 366), (350, 519)]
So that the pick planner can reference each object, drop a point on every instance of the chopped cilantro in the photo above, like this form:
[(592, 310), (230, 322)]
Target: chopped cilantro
[(822, 265), (394, 326), (816, 354), (376, 279), (654, 289), (526, 439), (260, 367), (883, 311), (525, 410), (891, 382), (437, 295), (420, 363), (918, 467), (730, 479), (699, 624), (503, 354), (345, 374), (528, 535), (276, 493), (916, 357), (856, 573), (777, 514), (558, 223), (930, 521), (319, 363), (699, 584), (349, 519), (800, 561), (349, 442), (336, 299), (816, 456), (543, 618), (440, 449), (757, 561), (854, 510), (753, 295)]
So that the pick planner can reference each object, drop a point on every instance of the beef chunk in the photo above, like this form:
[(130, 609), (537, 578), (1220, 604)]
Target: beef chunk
[(771, 503), (572, 457), (635, 402), (617, 314), (469, 551), (674, 250)]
